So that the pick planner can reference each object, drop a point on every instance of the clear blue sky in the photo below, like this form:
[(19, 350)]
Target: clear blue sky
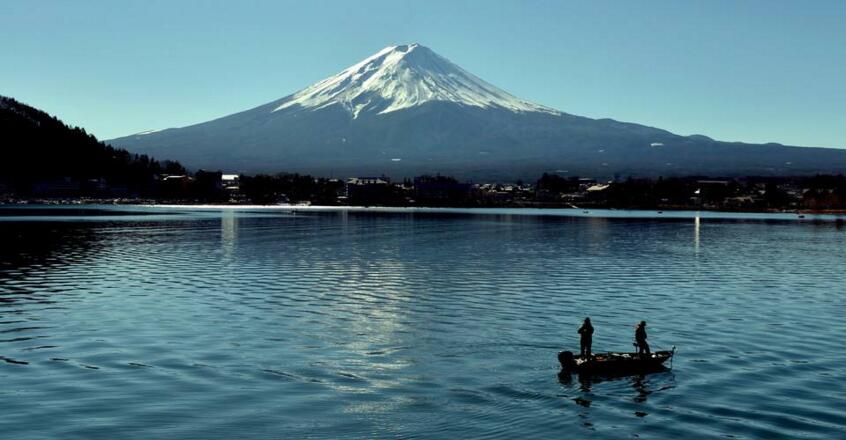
[(753, 71)]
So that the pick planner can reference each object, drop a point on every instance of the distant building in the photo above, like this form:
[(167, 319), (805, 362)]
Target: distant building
[(362, 181), (370, 191), (232, 187), (176, 178), (230, 182), (176, 185)]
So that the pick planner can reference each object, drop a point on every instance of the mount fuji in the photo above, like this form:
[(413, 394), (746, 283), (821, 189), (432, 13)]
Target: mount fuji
[(407, 110)]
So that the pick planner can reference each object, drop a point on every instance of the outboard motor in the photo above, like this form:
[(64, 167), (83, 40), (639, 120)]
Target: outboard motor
[(566, 359)]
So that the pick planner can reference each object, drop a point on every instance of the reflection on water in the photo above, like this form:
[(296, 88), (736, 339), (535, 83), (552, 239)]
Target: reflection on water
[(228, 233), (696, 226), (266, 324), (587, 388)]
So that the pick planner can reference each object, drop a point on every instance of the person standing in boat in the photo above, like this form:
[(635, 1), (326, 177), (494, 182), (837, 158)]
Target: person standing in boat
[(586, 330), (640, 338)]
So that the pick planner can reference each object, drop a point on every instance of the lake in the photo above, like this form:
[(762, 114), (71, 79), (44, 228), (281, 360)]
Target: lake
[(171, 323)]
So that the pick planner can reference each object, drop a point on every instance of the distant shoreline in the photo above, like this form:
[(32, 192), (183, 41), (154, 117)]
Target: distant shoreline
[(824, 215)]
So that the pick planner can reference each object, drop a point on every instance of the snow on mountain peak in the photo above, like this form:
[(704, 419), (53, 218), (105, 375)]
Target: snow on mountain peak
[(399, 77)]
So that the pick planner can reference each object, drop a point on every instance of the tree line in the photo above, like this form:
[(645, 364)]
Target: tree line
[(38, 147)]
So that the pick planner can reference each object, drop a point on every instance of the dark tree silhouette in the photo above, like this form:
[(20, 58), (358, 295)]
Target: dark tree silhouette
[(38, 148)]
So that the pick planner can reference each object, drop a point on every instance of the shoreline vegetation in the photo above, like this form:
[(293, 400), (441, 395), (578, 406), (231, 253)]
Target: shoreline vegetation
[(821, 194)]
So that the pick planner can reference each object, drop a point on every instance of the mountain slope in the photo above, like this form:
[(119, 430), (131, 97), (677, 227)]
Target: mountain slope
[(406, 110), (38, 147)]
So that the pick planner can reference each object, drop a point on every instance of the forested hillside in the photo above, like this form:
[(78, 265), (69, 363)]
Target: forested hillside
[(38, 149)]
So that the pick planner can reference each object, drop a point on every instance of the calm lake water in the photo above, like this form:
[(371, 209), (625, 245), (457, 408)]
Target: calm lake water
[(174, 323)]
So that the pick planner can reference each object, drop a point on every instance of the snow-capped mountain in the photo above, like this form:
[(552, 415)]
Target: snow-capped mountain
[(406, 111), (399, 77)]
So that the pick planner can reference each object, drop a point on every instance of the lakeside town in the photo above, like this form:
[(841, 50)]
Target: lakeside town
[(59, 164), (820, 193)]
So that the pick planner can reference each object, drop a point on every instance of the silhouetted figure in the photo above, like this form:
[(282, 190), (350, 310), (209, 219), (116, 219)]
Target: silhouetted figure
[(640, 339), (586, 330)]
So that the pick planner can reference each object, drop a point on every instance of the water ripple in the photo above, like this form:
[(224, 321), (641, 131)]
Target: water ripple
[(222, 324)]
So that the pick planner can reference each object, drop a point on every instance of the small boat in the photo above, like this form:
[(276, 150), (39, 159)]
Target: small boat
[(615, 363)]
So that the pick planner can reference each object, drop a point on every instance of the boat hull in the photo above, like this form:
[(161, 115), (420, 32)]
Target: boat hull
[(615, 363)]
